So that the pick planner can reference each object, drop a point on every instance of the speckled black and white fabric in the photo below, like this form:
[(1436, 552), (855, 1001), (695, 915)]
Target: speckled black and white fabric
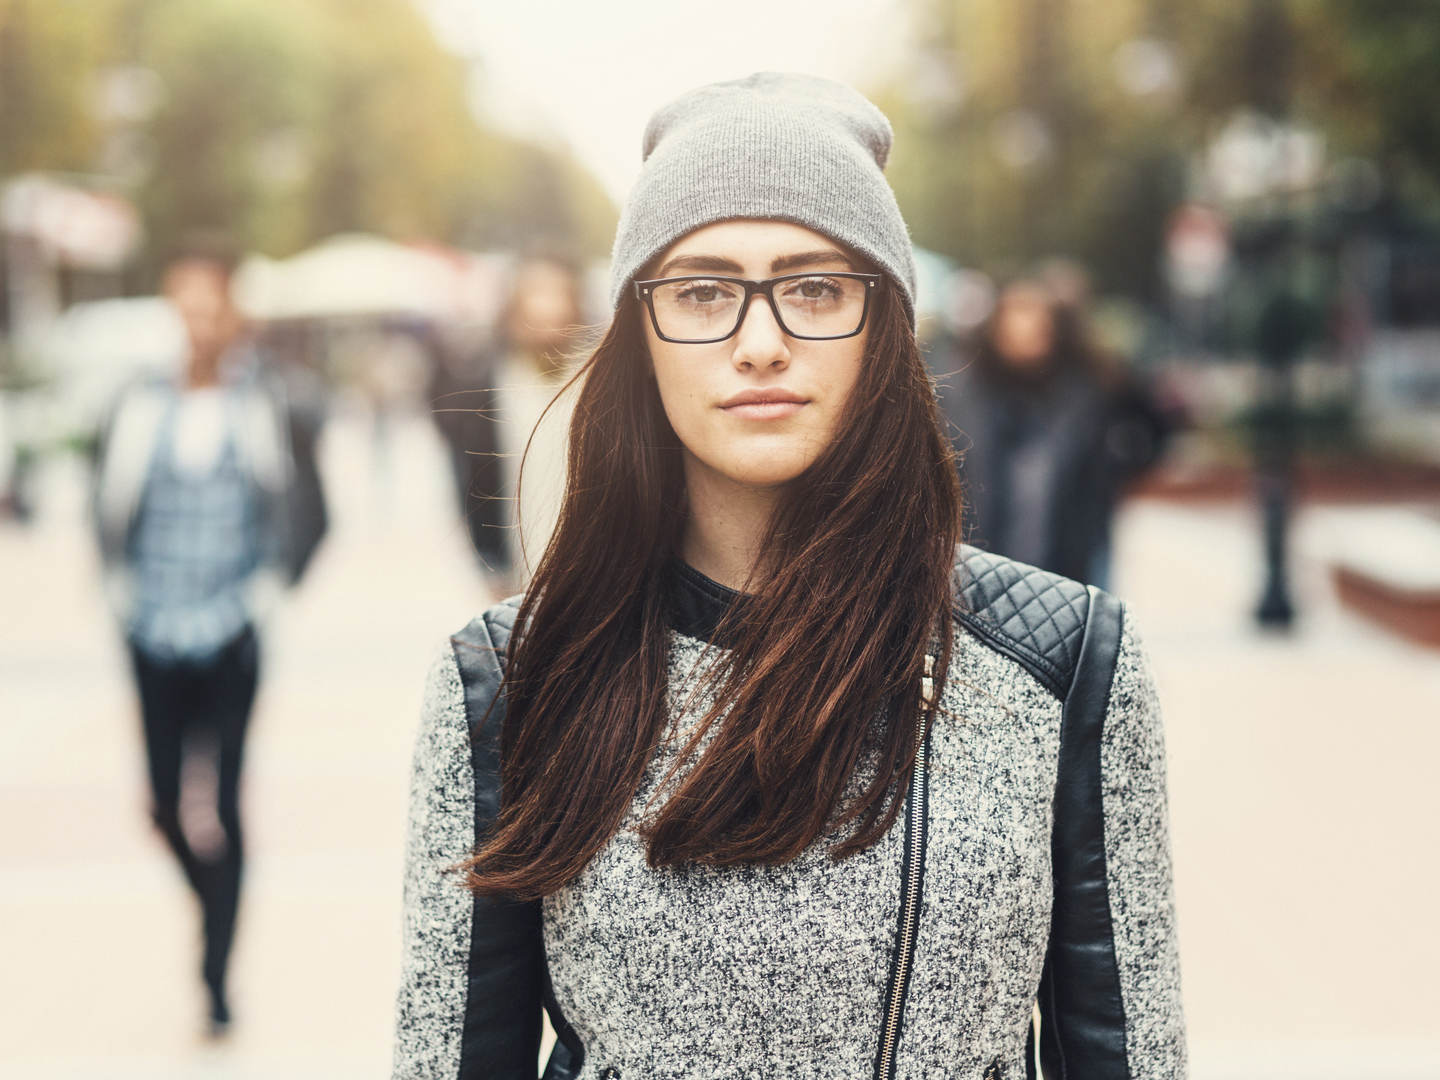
[(748, 971), (763, 972), (436, 930), (1137, 857), (986, 912)]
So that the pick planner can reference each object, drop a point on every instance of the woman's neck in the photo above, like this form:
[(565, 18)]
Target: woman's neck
[(725, 526)]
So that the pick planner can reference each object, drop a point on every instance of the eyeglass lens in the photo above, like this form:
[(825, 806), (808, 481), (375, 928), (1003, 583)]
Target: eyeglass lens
[(700, 309)]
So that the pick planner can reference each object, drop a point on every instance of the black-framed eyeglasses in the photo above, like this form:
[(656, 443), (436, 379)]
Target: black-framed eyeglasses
[(812, 307)]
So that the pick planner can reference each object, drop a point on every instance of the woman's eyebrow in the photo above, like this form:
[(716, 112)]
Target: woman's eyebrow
[(711, 263), (811, 258)]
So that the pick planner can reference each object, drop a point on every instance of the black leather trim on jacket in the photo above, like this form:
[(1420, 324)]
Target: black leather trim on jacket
[(697, 604), (1082, 1013), (507, 976), (907, 923), (1034, 617)]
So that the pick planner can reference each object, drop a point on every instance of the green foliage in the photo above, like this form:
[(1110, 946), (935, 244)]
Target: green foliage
[(395, 140), (1373, 68), (1114, 162), (281, 122), (1033, 148), (234, 73), (49, 50)]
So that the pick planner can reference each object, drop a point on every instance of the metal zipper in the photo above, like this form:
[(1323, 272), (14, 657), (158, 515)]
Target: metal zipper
[(910, 899)]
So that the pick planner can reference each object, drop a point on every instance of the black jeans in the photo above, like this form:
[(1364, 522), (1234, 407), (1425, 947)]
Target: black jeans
[(202, 708)]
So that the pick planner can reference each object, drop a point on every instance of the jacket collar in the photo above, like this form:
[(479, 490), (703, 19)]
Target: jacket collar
[(697, 604)]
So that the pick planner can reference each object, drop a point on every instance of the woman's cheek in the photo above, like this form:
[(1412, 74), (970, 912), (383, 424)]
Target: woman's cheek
[(690, 417)]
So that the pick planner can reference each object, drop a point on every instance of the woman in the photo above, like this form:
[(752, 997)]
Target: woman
[(759, 779), (488, 405), (1053, 433)]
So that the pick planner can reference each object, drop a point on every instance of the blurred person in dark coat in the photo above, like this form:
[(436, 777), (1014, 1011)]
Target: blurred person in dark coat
[(204, 515), (1049, 430), (487, 403)]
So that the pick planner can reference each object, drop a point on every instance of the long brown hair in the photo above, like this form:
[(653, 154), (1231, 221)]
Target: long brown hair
[(827, 654)]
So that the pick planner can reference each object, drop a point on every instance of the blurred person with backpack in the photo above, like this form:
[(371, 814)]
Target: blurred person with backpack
[(206, 512)]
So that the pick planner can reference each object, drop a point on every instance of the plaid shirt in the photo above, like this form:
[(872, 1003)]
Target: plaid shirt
[(195, 543)]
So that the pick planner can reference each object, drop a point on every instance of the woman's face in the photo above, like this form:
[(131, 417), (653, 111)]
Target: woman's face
[(758, 408), (544, 310), (1024, 330)]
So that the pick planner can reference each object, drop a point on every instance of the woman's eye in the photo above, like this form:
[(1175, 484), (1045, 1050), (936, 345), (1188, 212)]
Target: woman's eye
[(701, 294), (813, 289)]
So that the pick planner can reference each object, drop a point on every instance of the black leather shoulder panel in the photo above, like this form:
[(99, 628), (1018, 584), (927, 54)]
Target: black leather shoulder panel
[(1034, 617), (509, 980), (501, 1036), (1082, 1032), (500, 621), (1068, 637), (480, 658)]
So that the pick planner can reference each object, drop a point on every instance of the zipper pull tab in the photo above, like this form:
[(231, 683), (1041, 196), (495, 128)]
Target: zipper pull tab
[(927, 684)]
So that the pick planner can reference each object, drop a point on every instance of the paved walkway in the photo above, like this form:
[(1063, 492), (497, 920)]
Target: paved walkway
[(1303, 808), (1305, 822)]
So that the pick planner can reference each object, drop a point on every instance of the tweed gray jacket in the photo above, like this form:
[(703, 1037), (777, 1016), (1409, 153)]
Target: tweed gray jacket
[(1046, 876)]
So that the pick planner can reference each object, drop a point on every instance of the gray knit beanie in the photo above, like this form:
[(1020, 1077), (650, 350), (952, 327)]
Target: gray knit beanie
[(776, 146)]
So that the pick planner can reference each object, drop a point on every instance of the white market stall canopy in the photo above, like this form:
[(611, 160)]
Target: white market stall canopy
[(74, 226), (94, 349), (365, 275)]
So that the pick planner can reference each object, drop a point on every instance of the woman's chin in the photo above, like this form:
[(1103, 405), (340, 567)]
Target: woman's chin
[(772, 471), (752, 463)]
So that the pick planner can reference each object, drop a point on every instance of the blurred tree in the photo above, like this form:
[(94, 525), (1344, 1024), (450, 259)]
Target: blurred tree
[(236, 76), (1038, 127), (1373, 68), (50, 51), (395, 135), (277, 123)]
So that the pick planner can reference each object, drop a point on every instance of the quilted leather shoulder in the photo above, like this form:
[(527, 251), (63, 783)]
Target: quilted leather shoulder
[(1032, 616), (500, 621)]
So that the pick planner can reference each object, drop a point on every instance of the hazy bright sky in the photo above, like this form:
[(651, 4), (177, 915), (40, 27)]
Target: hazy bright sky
[(591, 73)]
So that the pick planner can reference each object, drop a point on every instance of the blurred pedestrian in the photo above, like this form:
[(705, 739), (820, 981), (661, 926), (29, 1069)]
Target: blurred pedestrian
[(488, 404), (696, 754), (197, 491), (1049, 429)]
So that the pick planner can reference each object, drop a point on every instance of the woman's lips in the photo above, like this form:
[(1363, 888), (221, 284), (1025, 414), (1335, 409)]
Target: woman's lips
[(764, 404), (765, 410)]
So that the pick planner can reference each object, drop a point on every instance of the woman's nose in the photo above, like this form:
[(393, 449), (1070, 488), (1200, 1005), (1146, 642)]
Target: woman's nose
[(760, 342)]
